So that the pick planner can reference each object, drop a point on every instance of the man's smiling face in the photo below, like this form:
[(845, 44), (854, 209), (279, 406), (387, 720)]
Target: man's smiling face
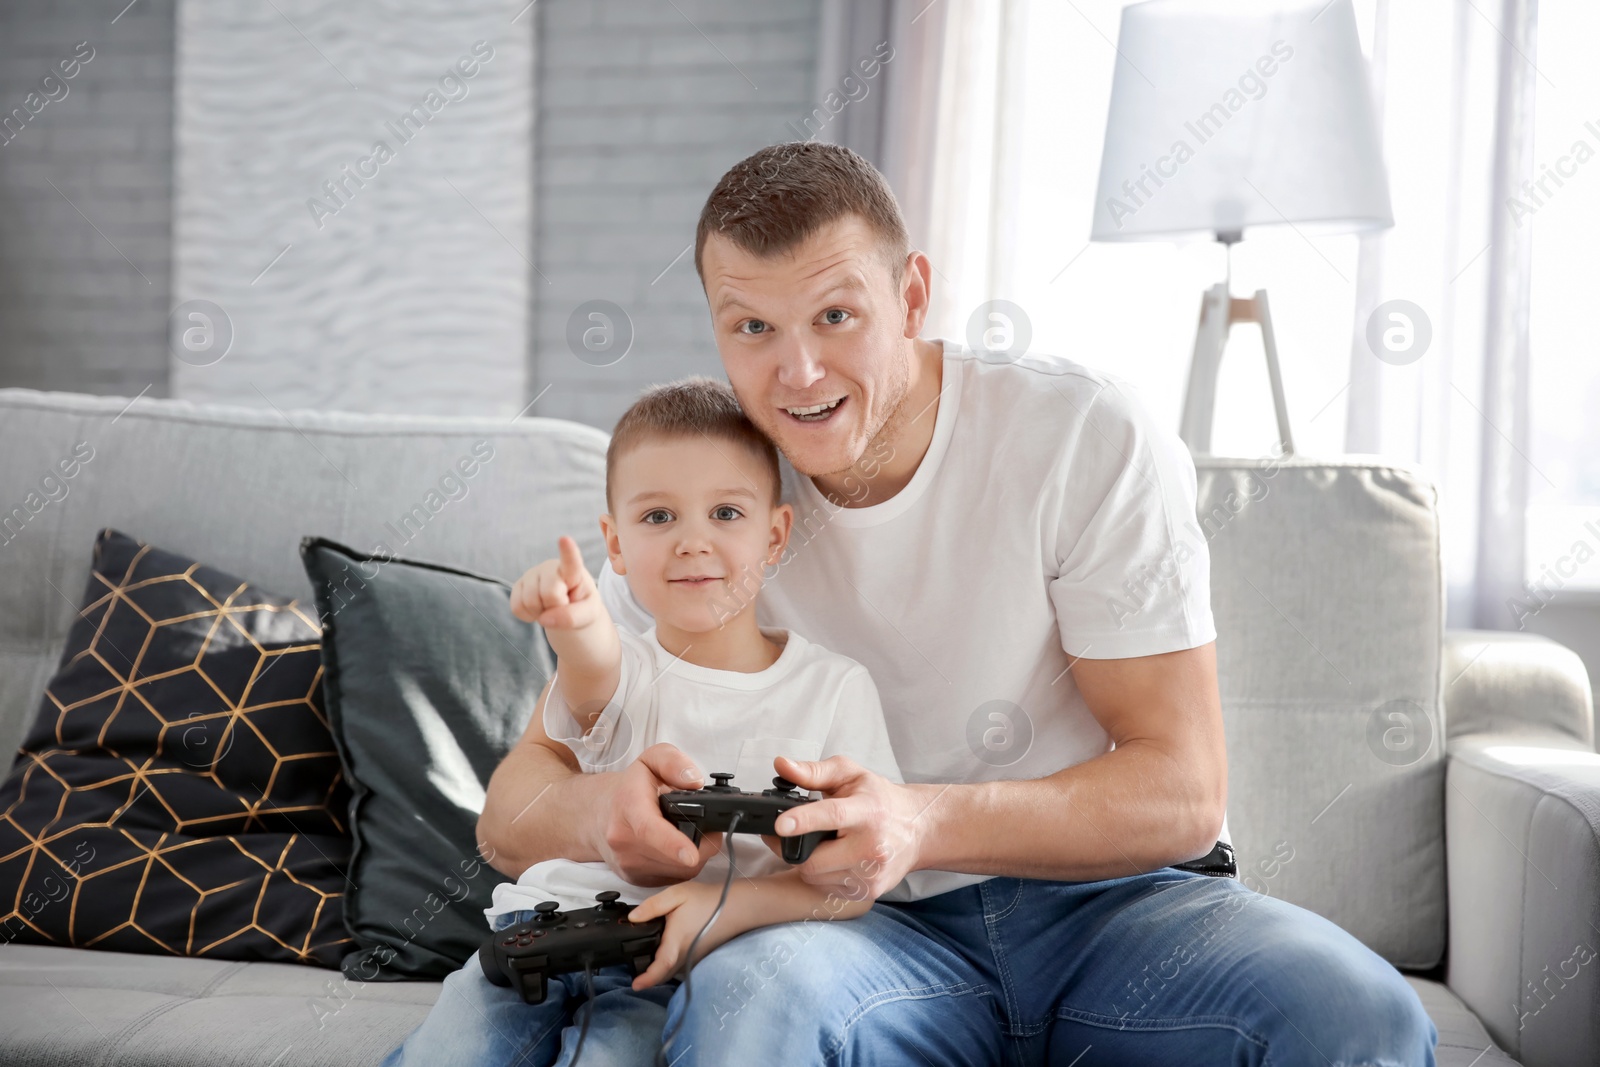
[(815, 341)]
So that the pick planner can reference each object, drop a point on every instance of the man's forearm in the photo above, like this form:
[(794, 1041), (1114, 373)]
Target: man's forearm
[(1131, 810), (535, 809)]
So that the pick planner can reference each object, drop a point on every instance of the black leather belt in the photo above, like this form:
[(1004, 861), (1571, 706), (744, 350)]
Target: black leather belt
[(1219, 862)]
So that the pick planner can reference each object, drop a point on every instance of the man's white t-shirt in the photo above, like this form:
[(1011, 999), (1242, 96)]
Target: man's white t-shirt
[(1051, 518), (809, 704)]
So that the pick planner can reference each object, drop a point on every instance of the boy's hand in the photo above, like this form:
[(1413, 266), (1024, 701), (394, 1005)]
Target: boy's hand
[(558, 594), (686, 906)]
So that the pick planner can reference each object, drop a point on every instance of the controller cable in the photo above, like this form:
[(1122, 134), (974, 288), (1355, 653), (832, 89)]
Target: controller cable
[(588, 983), (688, 990)]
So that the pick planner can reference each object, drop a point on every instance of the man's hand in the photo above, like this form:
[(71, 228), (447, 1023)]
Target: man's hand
[(558, 594), (686, 906), (629, 832), (877, 821)]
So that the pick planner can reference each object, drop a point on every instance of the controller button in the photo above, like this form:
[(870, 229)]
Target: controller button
[(508, 942), (539, 933), (580, 924)]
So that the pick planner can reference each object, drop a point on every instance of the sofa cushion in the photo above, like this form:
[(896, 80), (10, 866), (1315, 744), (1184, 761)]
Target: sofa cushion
[(1329, 602), (64, 1007), (239, 486), (1463, 1041), (179, 791), (147, 1009), (429, 682)]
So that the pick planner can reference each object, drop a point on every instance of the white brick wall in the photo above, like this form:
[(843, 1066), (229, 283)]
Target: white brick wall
[(409, 291), (638, 116), (74, 314)]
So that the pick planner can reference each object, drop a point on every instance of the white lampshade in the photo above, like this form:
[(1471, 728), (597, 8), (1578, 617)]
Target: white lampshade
[(1228, 114)]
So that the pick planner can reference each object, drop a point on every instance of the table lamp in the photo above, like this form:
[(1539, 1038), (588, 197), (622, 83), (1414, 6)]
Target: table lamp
[(1227, 115)]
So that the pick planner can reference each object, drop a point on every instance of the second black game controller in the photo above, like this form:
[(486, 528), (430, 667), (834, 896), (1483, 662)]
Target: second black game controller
[(711, 809), (526, 955)]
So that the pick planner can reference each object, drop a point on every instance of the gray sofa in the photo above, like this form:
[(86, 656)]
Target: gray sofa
[(1436, 794)]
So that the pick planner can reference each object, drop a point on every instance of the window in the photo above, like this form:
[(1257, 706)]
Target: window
[(1563, 207)]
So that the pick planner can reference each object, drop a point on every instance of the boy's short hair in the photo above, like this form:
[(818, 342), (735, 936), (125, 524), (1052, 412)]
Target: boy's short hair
[(691, 407), (771, 201)]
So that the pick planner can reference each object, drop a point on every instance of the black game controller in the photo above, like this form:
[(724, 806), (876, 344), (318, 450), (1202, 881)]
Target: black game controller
[(553, 942), (711, 809)]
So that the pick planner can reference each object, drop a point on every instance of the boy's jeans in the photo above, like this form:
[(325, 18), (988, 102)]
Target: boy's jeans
[(476, 1023), (1161, 968)]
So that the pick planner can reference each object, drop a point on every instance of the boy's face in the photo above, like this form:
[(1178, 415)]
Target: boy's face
[(692, 529)]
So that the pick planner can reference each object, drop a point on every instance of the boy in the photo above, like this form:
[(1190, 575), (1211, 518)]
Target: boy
[(694, 517)]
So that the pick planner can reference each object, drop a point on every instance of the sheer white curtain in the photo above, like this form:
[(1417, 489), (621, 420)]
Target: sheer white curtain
[(996, 152), (944, 128), (1457, 140)]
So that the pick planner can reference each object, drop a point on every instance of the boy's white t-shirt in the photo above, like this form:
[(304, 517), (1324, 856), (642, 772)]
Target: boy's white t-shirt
[(809, 705), (1051, 518)]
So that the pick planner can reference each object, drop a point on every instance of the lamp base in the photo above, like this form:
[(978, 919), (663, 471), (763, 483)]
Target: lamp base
[(1219, 313)]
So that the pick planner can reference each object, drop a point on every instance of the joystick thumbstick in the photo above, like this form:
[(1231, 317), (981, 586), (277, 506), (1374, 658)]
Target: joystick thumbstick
[(608, 900), (721, 778), (545, 911), (782, 784)]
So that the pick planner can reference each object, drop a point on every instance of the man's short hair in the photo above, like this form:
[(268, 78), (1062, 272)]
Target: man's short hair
[(773, 200), (690, 408)]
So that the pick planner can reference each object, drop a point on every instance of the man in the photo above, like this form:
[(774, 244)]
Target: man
[(980, 534)]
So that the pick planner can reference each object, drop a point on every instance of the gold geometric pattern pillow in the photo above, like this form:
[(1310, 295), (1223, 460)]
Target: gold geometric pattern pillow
[(179, 791)]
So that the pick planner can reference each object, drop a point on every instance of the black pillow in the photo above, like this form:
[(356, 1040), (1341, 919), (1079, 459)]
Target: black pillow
[(429, 680), (179, 791)]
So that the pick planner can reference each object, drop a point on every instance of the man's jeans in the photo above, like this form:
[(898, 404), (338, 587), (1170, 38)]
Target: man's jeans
[(1162, 968), (476, 1023)]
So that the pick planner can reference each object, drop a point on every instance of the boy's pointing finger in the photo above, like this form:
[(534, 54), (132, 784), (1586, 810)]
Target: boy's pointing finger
[(572, 569)]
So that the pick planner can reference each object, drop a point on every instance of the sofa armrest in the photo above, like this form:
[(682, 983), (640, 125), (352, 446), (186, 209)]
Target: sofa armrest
[(1501, 682), (1522, 846)]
